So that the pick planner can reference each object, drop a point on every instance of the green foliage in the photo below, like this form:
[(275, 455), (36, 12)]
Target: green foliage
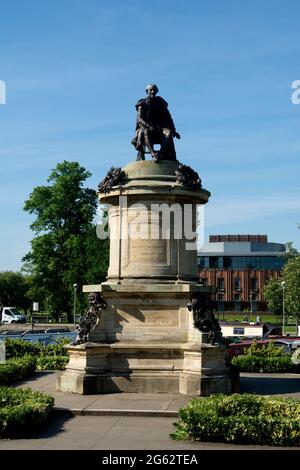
[(273, 295), (240, 419), (51, 357), (266, 350), (291, 276), (290, 252), (19, 348), (253, 363), (52, 362), (17, 369), (22, 410), (65, 249), (14, 290)]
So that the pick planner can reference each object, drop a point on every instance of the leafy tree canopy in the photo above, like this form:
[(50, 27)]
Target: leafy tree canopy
[(65, 249)]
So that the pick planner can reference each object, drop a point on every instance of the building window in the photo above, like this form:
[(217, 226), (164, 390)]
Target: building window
[(239, 331), (253, 283), (271, 262), (253, 298), (237, 283), (204, 281), (213, 262), (227, 262), (237, 297), (220, 297), (220, 283)]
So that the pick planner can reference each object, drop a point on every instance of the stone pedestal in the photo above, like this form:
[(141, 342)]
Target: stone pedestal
[(145, 341)]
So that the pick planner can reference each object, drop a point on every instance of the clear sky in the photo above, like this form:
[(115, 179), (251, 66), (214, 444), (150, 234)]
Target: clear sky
[(75, 68)]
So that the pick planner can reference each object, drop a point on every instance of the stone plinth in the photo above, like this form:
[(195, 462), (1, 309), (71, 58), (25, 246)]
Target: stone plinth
[(187, 368), (153, 222), (146, 341)]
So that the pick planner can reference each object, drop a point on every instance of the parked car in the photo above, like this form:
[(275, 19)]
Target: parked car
[(11, 315)]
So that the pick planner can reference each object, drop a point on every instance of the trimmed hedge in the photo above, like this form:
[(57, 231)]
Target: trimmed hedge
[(52, 362), (16, 369), (252, 363), (240, 419), (22, 411), (20, 348), (268, 358), (51, 357)]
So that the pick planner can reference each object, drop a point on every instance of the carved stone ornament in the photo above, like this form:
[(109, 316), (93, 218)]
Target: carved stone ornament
[(88, 322), (113, 177), (204, 319), (186, 176)]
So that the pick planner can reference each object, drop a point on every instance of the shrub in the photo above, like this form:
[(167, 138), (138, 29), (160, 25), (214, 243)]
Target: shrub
[(296, 357), (19, 348), (52, 362), (16, 369), (57, 349), (266, 350), (241, 419), (51, 357), (252, 363), (22, 410)]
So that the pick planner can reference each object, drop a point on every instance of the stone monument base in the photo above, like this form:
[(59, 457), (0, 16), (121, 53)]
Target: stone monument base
[(146, 342), (189, 369)]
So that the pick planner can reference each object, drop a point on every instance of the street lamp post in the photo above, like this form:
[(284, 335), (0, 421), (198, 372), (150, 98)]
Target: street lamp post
[(74, 309), (283, 308), (251, 305)]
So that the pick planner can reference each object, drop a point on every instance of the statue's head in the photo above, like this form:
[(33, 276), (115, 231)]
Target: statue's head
[(92, 298), (151, 90)]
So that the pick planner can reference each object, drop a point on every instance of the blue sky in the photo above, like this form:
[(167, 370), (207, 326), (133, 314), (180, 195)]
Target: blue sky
[(75, 68)]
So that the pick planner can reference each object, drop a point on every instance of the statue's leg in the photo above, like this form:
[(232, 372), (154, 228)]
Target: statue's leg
[(149, 146), (140, 155)]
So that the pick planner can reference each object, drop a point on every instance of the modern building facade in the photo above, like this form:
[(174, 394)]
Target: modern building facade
[(239, 267)]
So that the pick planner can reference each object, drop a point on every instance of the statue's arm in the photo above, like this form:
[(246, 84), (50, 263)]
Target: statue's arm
[(141, 122)]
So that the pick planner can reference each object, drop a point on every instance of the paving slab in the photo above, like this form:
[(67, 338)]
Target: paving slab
[(123, 421)]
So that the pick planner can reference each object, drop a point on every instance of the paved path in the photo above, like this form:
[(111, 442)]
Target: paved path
[(129, 421)]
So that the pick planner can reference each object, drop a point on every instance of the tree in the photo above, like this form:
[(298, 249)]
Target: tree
[(14, 290), (291, 276), (291, 252), (61, 252), (273, 295)]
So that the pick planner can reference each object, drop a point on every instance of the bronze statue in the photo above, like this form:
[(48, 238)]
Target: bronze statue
[(204, 319), (154, 126), (88, 322), (114, 176)]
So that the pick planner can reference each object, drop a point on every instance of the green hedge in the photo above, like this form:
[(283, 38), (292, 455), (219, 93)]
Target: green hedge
[(52, 362), (22, 410), (16, 369), (253, 363), (51, 357), (241, 419), (19, 348)]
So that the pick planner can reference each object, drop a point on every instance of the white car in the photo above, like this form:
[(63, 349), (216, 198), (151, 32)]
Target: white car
[(11, 315)]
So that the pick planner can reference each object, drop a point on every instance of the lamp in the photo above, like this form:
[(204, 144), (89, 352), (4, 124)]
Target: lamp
[(283, 307), (74, 307)]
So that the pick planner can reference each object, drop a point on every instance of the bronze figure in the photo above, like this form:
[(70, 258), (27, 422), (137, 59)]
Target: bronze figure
[(88, 322), (154, 126), (204, 319)]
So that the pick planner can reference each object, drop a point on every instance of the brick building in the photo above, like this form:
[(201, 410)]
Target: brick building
[(239, 266)]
